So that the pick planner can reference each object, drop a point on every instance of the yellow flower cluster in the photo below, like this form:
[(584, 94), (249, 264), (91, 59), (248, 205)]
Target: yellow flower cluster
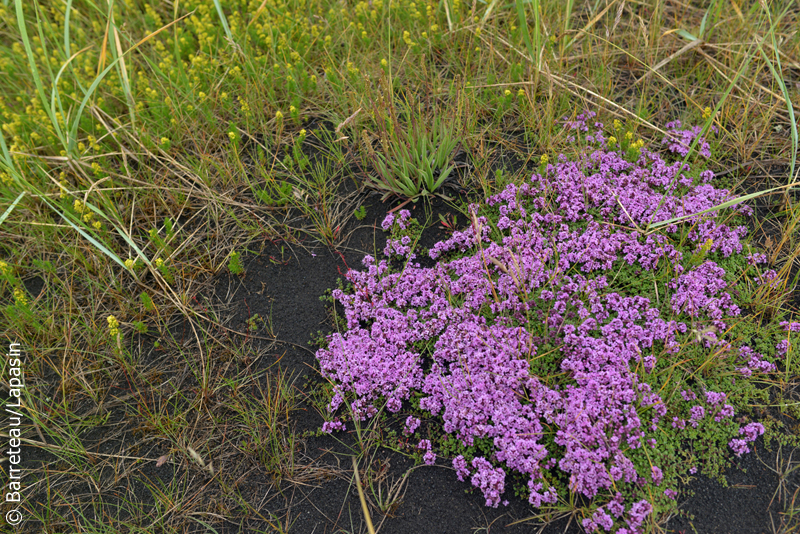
[(5, 270), (352, 69), (113, 326), (130, 263), (93, 141), (706, 113), (19, 297), (244, 105)]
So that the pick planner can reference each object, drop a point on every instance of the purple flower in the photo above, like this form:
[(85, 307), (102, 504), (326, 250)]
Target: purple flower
[(725, 412), (331, 426), (491, 481), (713, 398), (460, 465), (751, 431), (696, 414), (657, 475), (599, 520), (388, 221), (739, 446), (679, 140), (412, 423), (638, 513), (429, 458), (615, 506)]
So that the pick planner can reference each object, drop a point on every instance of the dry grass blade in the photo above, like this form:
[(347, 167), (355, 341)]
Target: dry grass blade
[(347, 121), (363, 500), (689, 46), (591, 23)]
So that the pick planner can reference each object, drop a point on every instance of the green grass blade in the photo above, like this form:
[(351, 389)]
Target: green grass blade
[(776, 74), (523, 26), (224, 21), (122, 69), (92, 88), (11, 208), (34, 69), (67, 14), (703, 23), (738, 200), (97, 244), (488, 11), (705, 129)]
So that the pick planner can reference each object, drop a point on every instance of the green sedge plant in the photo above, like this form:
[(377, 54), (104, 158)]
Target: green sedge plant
[(414, 157)]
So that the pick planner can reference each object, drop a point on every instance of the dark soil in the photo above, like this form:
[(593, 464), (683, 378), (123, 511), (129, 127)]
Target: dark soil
[(285, 283)]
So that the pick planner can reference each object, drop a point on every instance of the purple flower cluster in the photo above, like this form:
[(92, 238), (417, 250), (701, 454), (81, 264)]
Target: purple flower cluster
[(490, 480), (785, 345), (701, 291), (412, 423), (750, 432), (678, 141), (485, 314)]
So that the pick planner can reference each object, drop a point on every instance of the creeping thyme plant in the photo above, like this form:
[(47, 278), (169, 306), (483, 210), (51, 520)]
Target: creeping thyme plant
[(557, 349)]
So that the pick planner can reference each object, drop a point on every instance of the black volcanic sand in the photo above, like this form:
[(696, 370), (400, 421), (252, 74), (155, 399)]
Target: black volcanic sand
[(286, 285)]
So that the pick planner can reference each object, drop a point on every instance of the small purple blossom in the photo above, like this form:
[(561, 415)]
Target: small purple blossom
[(657, 475), (491, 481), (638, 513), (429, 458), (332, 426), (388, 221), (460, 465), (739, 446), (713, 398), (696, 414), (412, 423), (726, 412), (751, 431), (679, 141), (599, 520)]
